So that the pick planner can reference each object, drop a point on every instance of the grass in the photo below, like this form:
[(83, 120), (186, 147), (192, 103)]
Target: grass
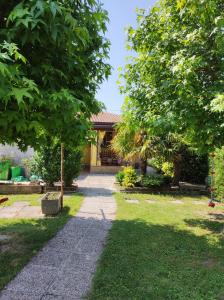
[(33, 199), (27, 236), (163, 251)]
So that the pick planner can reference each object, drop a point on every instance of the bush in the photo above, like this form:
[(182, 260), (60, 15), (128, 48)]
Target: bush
[(120, 177), (167, 168), (194, 167), (47, 164), (130, 177), (153, 181), (219, 173)]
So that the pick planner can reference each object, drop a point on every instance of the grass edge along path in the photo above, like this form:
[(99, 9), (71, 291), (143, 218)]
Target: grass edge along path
[(162, 250), (28, 236)]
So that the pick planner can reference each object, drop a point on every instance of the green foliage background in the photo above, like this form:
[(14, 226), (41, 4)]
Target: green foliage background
[(52, 61), (219, 173)]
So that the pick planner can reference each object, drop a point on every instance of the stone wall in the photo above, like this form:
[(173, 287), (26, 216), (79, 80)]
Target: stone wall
[(8, 189)]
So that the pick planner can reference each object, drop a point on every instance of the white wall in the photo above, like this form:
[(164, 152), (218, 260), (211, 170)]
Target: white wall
[(15, 154)]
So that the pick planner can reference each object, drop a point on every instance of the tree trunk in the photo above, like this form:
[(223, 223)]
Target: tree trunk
[(143, 166), (62, 174), (177, 169)]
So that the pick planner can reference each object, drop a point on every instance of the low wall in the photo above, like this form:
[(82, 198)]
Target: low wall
[(10, 189), (14, 153)]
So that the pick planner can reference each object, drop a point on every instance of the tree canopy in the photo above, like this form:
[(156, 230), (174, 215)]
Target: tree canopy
[(52, 60), (174, 83)]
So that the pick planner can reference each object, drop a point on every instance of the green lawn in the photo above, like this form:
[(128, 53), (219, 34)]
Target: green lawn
[(163, 251), (28, 236)]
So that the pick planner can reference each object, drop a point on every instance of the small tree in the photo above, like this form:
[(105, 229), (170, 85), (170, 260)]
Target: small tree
[(47, 161), (52, 61)]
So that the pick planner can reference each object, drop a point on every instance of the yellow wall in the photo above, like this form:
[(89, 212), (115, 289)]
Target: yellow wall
[(86, 156), (93, 158)]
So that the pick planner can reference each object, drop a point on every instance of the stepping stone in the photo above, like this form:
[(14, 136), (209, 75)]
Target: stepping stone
[(177, 202), (4, 238), (199, 202), (20, 204), (150, 201), (132, 201), (30, 212), (8, 212)]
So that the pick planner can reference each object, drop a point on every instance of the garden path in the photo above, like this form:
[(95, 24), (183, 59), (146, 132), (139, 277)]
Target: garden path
[(63, 269), (20, 210)]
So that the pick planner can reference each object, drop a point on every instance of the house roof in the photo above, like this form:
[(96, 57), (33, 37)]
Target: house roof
[(106, 117), (105, 120)]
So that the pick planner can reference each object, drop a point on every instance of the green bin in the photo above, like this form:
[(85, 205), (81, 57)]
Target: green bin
[(16, 172), (4, 169)]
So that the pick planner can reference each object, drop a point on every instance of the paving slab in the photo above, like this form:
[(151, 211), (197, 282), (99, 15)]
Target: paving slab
[(32, 279), (199, 202), (4, 238), (20, 204), (150, 201), (176, 202), (56, 297), (30, 212), (10, 295), (132, 201), (71, 284), (9, 212), (64, 268)]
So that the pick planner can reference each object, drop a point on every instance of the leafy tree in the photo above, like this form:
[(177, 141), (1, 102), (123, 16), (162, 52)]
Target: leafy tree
[(47, 160), (51, 63), (131, 141), (175, 81)]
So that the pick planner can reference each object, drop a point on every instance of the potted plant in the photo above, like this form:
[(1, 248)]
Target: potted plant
[(51, 203)]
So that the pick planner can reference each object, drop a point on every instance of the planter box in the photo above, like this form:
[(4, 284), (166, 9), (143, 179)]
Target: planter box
[(69, 189), (11, 189), (51, 204)]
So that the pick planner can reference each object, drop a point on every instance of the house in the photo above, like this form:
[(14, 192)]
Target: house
[(99, 157)]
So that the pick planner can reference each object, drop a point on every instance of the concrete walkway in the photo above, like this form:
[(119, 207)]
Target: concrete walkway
[(21, 210), (64, 268)]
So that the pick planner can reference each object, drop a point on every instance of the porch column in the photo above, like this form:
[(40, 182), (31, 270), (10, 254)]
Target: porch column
[(101, 135), (93, 160)]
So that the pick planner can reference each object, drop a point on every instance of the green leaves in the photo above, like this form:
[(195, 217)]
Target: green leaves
[(52, 60), (177, 70), (20, 95)]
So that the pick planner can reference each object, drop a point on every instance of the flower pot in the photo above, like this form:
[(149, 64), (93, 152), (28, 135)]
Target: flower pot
[(51, 204)]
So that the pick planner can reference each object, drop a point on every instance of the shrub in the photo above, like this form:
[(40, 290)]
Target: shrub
[(219, 173), (120, 177), (47, 164), (194, 167), (167, 168), (153, 180), (130, 177)]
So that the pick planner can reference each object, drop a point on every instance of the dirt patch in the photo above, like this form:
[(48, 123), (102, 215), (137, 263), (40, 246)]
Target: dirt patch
[(216, 216), (4, 248), (210, 263)]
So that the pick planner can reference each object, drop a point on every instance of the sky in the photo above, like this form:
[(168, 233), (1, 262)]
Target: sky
[(121, 14)]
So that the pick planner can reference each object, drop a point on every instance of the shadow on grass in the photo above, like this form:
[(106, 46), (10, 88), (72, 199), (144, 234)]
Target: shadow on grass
[(149, 261), (215, 224)]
